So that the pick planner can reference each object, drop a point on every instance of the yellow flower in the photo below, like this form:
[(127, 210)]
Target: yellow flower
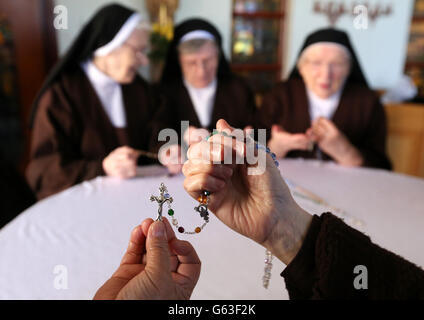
[(156, 28)]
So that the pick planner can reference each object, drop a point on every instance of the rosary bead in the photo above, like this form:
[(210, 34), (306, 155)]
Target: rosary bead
[(171, 212), (197, 230), (202, 199), (181, 230), (206, 193), (175, 222)]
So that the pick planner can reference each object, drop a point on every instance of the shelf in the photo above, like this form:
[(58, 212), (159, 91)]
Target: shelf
[(410, 64), (255, 67), (259, 14), (418, 19)]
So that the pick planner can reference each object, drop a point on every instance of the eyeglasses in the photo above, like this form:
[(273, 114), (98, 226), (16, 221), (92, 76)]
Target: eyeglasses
[(204, 63), (336, 66), (144, 51)]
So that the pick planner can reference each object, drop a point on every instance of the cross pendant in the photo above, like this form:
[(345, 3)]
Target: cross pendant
[(161, 199)]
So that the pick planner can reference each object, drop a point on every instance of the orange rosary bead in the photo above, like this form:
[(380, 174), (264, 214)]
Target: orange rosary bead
[(202, 199), (197, 230)]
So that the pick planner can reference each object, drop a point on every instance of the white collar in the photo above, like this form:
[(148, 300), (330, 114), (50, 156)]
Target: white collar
[(96, 76), (319, 107), (210, 87), (109, 92), (203, 100)]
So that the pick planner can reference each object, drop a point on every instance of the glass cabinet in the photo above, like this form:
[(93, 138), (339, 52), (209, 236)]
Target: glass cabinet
[(256, 49)]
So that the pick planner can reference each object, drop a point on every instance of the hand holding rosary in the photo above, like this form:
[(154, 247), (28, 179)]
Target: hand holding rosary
[(202, 210)]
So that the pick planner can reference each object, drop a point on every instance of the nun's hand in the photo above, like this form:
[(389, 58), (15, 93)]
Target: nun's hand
[(193, 135), (282, 142), (333, 142), (259, 206), (172, 158), (121, 163), (156, 265)]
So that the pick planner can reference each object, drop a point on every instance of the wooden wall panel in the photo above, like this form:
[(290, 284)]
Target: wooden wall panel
[(405, 143)]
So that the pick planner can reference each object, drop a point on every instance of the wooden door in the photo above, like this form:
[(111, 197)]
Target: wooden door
[(31, 25)]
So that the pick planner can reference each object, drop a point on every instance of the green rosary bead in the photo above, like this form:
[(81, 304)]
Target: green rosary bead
[(171, 212)]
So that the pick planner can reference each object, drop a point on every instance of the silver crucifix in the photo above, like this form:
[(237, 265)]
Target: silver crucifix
[(164, 197)]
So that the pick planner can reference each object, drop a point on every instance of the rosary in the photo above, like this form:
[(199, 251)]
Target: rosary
[(202, 209)]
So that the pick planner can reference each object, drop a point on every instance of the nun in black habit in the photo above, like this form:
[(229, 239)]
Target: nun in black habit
[(91, 116), (325, 109), (197, 86)]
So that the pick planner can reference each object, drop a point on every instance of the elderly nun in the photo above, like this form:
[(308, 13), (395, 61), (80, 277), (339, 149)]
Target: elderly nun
[(325, 109), (91, 115)]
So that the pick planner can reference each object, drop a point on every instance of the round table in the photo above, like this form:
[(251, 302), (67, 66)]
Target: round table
[(66, 246)]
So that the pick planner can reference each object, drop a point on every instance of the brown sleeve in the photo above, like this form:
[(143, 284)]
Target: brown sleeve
[(56, 162), (373, 148), (324, 266), (165, 117), (269, 112)]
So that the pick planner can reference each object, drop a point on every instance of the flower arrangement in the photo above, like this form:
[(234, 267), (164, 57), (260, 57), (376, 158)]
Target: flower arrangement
[(161, 36)]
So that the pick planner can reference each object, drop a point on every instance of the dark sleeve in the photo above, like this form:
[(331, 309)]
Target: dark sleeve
[(165, 118), (251, 110), (269, 112), (56, 163), (373, 147), (324, 267)]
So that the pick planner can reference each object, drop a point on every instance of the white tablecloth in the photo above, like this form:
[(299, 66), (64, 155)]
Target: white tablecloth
[(85, 230)]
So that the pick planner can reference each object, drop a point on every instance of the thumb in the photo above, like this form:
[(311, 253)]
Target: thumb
[(276, 128), (158, 264), (221, 125)]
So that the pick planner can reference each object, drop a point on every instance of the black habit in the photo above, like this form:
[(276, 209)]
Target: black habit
[(359, 115), (72, 133), (234, 100)]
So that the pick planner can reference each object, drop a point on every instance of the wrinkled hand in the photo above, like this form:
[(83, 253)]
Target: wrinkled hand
[(193, 135), (155, 266), (121, 163), (282, 142), (172, 158), (257, 206), (333, 142)]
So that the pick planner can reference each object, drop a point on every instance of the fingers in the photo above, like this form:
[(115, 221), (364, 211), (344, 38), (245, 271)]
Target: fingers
[(158, 262), (135, 248), (121, 163), (323, 127), (194, 184), (189, 262), (170, 234), (174, 168), (219, 171), (218, 149), (126, 152), (185, 251), (300, 141), (193, 135), (222, 125), (276, 129)]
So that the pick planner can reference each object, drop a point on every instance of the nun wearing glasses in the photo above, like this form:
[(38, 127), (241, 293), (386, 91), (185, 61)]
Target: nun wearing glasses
[(197, 86), (91, 116), (326, 109)]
